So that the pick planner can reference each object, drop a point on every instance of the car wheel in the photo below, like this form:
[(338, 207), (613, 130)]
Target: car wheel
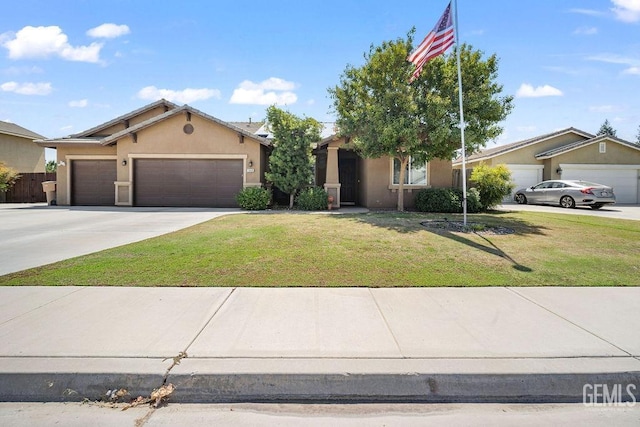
[(597, 206), (520, 199), (567, 202)]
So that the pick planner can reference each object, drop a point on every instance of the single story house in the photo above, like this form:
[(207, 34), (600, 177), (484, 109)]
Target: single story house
[(168, 155), (159, 155), (18, 151), (568, 154)]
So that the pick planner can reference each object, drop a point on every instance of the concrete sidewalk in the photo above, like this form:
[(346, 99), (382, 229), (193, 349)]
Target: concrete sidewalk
[(319, 344)]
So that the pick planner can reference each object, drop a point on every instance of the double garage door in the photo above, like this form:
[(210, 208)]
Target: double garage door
[(160, 182), (624, 180), (187, 182)]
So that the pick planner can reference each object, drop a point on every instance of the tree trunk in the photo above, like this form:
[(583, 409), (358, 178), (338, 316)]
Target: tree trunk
[(403, 166), (291, 200)]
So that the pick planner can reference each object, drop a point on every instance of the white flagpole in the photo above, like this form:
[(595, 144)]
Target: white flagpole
[(462, 124)]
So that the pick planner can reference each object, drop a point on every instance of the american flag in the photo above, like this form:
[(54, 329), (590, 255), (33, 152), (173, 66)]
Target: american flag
[(434, 44)]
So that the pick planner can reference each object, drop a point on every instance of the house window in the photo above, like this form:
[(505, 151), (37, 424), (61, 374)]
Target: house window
[(603, 147), (415, 174)]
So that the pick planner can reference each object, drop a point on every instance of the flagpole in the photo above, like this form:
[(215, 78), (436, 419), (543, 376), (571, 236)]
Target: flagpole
[(462, 124)]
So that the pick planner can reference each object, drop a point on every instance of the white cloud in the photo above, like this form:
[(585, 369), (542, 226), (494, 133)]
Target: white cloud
[(602, 108), (16, 71), (585, 31), (528, 91), (633, 71), (527, 129), (626, 10), (184, 96), (589, 12), (81, 103), (273, 91), (108, 31), (44, 42), (27, 88)]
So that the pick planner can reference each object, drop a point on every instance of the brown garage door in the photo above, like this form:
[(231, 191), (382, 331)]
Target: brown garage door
[(187, 182), (92, 182)]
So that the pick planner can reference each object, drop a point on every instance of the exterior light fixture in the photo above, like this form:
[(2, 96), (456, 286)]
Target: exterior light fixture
[(250, 163), (559, 171), (124, 162)]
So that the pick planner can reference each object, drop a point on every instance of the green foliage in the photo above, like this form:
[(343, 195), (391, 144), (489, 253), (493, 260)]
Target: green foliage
[(312, 199), (51, 166), (253, 198), (638, 137), (606, 129), (384, 115), (290, 163), (447, 200), (8, 177), (493, 184)]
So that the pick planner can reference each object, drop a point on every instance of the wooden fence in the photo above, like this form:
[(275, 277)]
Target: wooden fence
[(28, 189)]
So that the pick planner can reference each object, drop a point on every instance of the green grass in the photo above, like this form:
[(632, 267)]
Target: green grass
[(376, 249)]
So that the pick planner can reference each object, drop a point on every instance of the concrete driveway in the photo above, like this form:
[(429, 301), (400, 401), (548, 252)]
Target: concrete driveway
[(614, 211), (36, 234)]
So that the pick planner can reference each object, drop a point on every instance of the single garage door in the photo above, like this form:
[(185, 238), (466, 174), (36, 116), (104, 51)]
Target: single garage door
[(92, 182), (187, 182), (623, 180), (524, 176)]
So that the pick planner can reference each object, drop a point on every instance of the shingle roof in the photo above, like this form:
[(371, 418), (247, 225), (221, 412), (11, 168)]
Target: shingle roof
[(579, 144), (502, 149), (127, 116), (251, 127), (16, 130)]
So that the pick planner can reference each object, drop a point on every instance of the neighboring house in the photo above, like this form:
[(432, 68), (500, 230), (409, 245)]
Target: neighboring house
[(568, 154), (17, 149), (159, 155), (166, 155)]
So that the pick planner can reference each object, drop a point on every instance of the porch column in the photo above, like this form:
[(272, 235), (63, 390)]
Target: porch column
[(332, 183)]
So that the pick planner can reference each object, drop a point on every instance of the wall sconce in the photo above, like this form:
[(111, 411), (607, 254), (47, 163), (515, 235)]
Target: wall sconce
[(124, 162), (61, 163), (250, 163), (559, 171)]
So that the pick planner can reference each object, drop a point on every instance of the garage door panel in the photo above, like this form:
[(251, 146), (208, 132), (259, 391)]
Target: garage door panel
[(92, 182), (523, 177), (623, 181), (187, 182)]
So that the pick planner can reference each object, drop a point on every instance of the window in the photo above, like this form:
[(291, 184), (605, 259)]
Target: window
[(415, 174), (603, 147)]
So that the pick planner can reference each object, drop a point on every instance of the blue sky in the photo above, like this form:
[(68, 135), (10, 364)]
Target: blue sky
[(68, 65)]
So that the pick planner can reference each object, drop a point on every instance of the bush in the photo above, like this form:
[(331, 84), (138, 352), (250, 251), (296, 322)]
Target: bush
[(8, 177), (312, 199), (493, 184), (253, 198), (446, 200)]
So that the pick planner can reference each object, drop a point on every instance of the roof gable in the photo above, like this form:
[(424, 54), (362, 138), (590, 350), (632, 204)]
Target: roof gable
[(180, 110), (126, 117), (13, 129), (507, 148), (581, 144)]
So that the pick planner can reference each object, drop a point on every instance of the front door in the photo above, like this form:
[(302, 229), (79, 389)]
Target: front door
[(348, 175)]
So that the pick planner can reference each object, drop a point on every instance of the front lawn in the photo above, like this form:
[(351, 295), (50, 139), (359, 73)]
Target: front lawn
[(375, 249)]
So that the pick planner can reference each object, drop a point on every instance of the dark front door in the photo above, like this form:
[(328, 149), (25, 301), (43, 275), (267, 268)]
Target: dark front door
[(348, 175)]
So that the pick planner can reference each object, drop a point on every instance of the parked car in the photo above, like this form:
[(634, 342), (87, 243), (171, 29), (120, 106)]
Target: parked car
[(566, 193)]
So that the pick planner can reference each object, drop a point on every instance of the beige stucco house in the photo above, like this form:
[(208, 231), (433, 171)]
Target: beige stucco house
[(568, 154), (159, 155), (373, 183), (168, 155), (18, 151)]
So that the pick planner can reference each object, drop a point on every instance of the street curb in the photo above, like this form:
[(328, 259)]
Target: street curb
[(320, 387)]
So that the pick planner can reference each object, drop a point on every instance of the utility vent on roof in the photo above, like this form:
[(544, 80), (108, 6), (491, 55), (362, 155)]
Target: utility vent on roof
[(188, 128)]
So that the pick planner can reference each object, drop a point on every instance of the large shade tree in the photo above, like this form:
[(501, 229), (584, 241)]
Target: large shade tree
[(290, 163), (385, 115)]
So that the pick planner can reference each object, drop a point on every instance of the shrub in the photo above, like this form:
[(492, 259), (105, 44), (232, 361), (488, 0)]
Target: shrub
[(446, 200), (493, 184), (253, 198), (312, 199), (8, 177)]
